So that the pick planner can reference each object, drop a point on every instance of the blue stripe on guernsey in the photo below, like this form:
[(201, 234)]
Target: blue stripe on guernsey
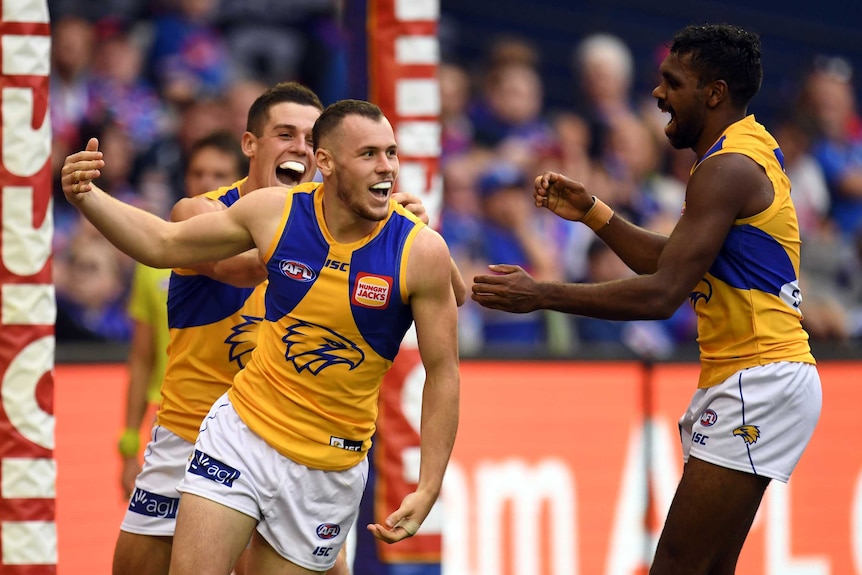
[(295, 275), (752, 259), (779, 155), (229, 197), (213, 300), (715, 147), (375, 295)]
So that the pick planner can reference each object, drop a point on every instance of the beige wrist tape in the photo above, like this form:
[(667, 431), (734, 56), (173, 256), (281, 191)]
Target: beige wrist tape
[(598, 216), (410, 527)]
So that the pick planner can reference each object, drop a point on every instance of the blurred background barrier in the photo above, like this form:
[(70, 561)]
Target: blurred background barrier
[(560, 468)]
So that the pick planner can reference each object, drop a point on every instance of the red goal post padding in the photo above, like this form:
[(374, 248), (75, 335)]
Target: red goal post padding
[(28, 539)]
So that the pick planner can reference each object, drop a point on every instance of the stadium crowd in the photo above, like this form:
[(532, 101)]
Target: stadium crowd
[(152, 78)]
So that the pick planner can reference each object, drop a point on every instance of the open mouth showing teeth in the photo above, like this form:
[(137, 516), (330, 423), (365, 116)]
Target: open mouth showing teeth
[(289, 173), (381, 188)]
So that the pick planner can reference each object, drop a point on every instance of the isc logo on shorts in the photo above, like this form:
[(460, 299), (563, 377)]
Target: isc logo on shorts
[(213, 469), (153, 504)]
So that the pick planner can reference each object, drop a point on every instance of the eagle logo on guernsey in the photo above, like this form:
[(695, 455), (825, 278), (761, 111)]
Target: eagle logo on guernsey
[(372, 291), (749, 433), (702, 291), (313, 348), (243, 339)]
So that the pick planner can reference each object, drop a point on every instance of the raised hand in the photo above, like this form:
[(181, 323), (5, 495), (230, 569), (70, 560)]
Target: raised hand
[(80, 169), (563, 196)]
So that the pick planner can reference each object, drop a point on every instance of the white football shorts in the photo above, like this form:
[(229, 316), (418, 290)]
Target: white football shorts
[(758, 421), (304, 513), (153, 505)]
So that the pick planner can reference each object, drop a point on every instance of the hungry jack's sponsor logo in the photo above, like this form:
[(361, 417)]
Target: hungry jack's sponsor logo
[(372, 291)]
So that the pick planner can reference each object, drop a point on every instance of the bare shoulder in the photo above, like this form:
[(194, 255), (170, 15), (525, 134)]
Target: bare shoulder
[(429, 265), (730, 182), (430, 247), (190, 207)]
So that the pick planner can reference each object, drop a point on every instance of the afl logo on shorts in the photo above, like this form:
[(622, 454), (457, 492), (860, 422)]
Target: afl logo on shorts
[(708, 418), (296, 270), (328, 530)]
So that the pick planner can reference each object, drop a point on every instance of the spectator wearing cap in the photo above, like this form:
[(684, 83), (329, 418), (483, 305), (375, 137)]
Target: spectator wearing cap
[(512, 232)]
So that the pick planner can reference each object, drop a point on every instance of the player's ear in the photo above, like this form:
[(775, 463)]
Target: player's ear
[(248, 143), (716, 93), (323, 158)]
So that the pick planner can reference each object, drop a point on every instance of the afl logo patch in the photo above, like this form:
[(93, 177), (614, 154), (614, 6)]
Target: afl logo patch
[(328, 530), (708, 418), (372, 291), (296, 270)]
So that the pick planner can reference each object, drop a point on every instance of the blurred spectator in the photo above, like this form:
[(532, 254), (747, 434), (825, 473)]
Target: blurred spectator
[(271, 40), (508, 113), (119, 91), (808, 185), (828, 96), (455, 94), (165, 164), (604, 72), (512, 234), (188, 57), (240, 96), (91, 291), (461, 224), (71, 59)]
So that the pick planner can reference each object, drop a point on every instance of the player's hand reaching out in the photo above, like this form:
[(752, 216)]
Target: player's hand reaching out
[(510, 289), (80, 169), (563, 196)]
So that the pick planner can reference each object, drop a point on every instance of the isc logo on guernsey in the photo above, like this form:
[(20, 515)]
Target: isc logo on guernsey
[(213, 469)]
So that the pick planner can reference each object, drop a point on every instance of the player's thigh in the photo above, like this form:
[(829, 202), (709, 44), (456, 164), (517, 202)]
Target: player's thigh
[(709, 518), (209, 537), (141, 554), (262, 558)]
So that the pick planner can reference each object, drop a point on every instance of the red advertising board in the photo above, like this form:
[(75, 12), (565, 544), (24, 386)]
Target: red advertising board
[(549, 475)]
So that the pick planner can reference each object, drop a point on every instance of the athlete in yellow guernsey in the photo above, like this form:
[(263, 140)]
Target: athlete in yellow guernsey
[(335, 317), (213, 312), (734, 254), (321, 368), (748, 303)]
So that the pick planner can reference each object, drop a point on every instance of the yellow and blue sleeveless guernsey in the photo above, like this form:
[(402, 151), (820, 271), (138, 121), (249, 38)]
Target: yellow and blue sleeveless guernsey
[(748, 303), (213, 328), (148, 304), (335, 317)]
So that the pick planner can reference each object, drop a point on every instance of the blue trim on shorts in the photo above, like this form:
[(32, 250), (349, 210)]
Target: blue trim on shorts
[(747, 445)]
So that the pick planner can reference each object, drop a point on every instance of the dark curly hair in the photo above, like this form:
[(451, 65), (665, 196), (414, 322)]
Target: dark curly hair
[(723, 52)]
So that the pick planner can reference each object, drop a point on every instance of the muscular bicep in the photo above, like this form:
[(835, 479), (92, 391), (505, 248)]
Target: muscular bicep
[(210, 236), (720, 191), (432, 301), (243, 270)]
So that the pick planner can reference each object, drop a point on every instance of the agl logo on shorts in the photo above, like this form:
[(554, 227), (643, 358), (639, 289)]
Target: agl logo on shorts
[(213, 469), (372, 291)]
